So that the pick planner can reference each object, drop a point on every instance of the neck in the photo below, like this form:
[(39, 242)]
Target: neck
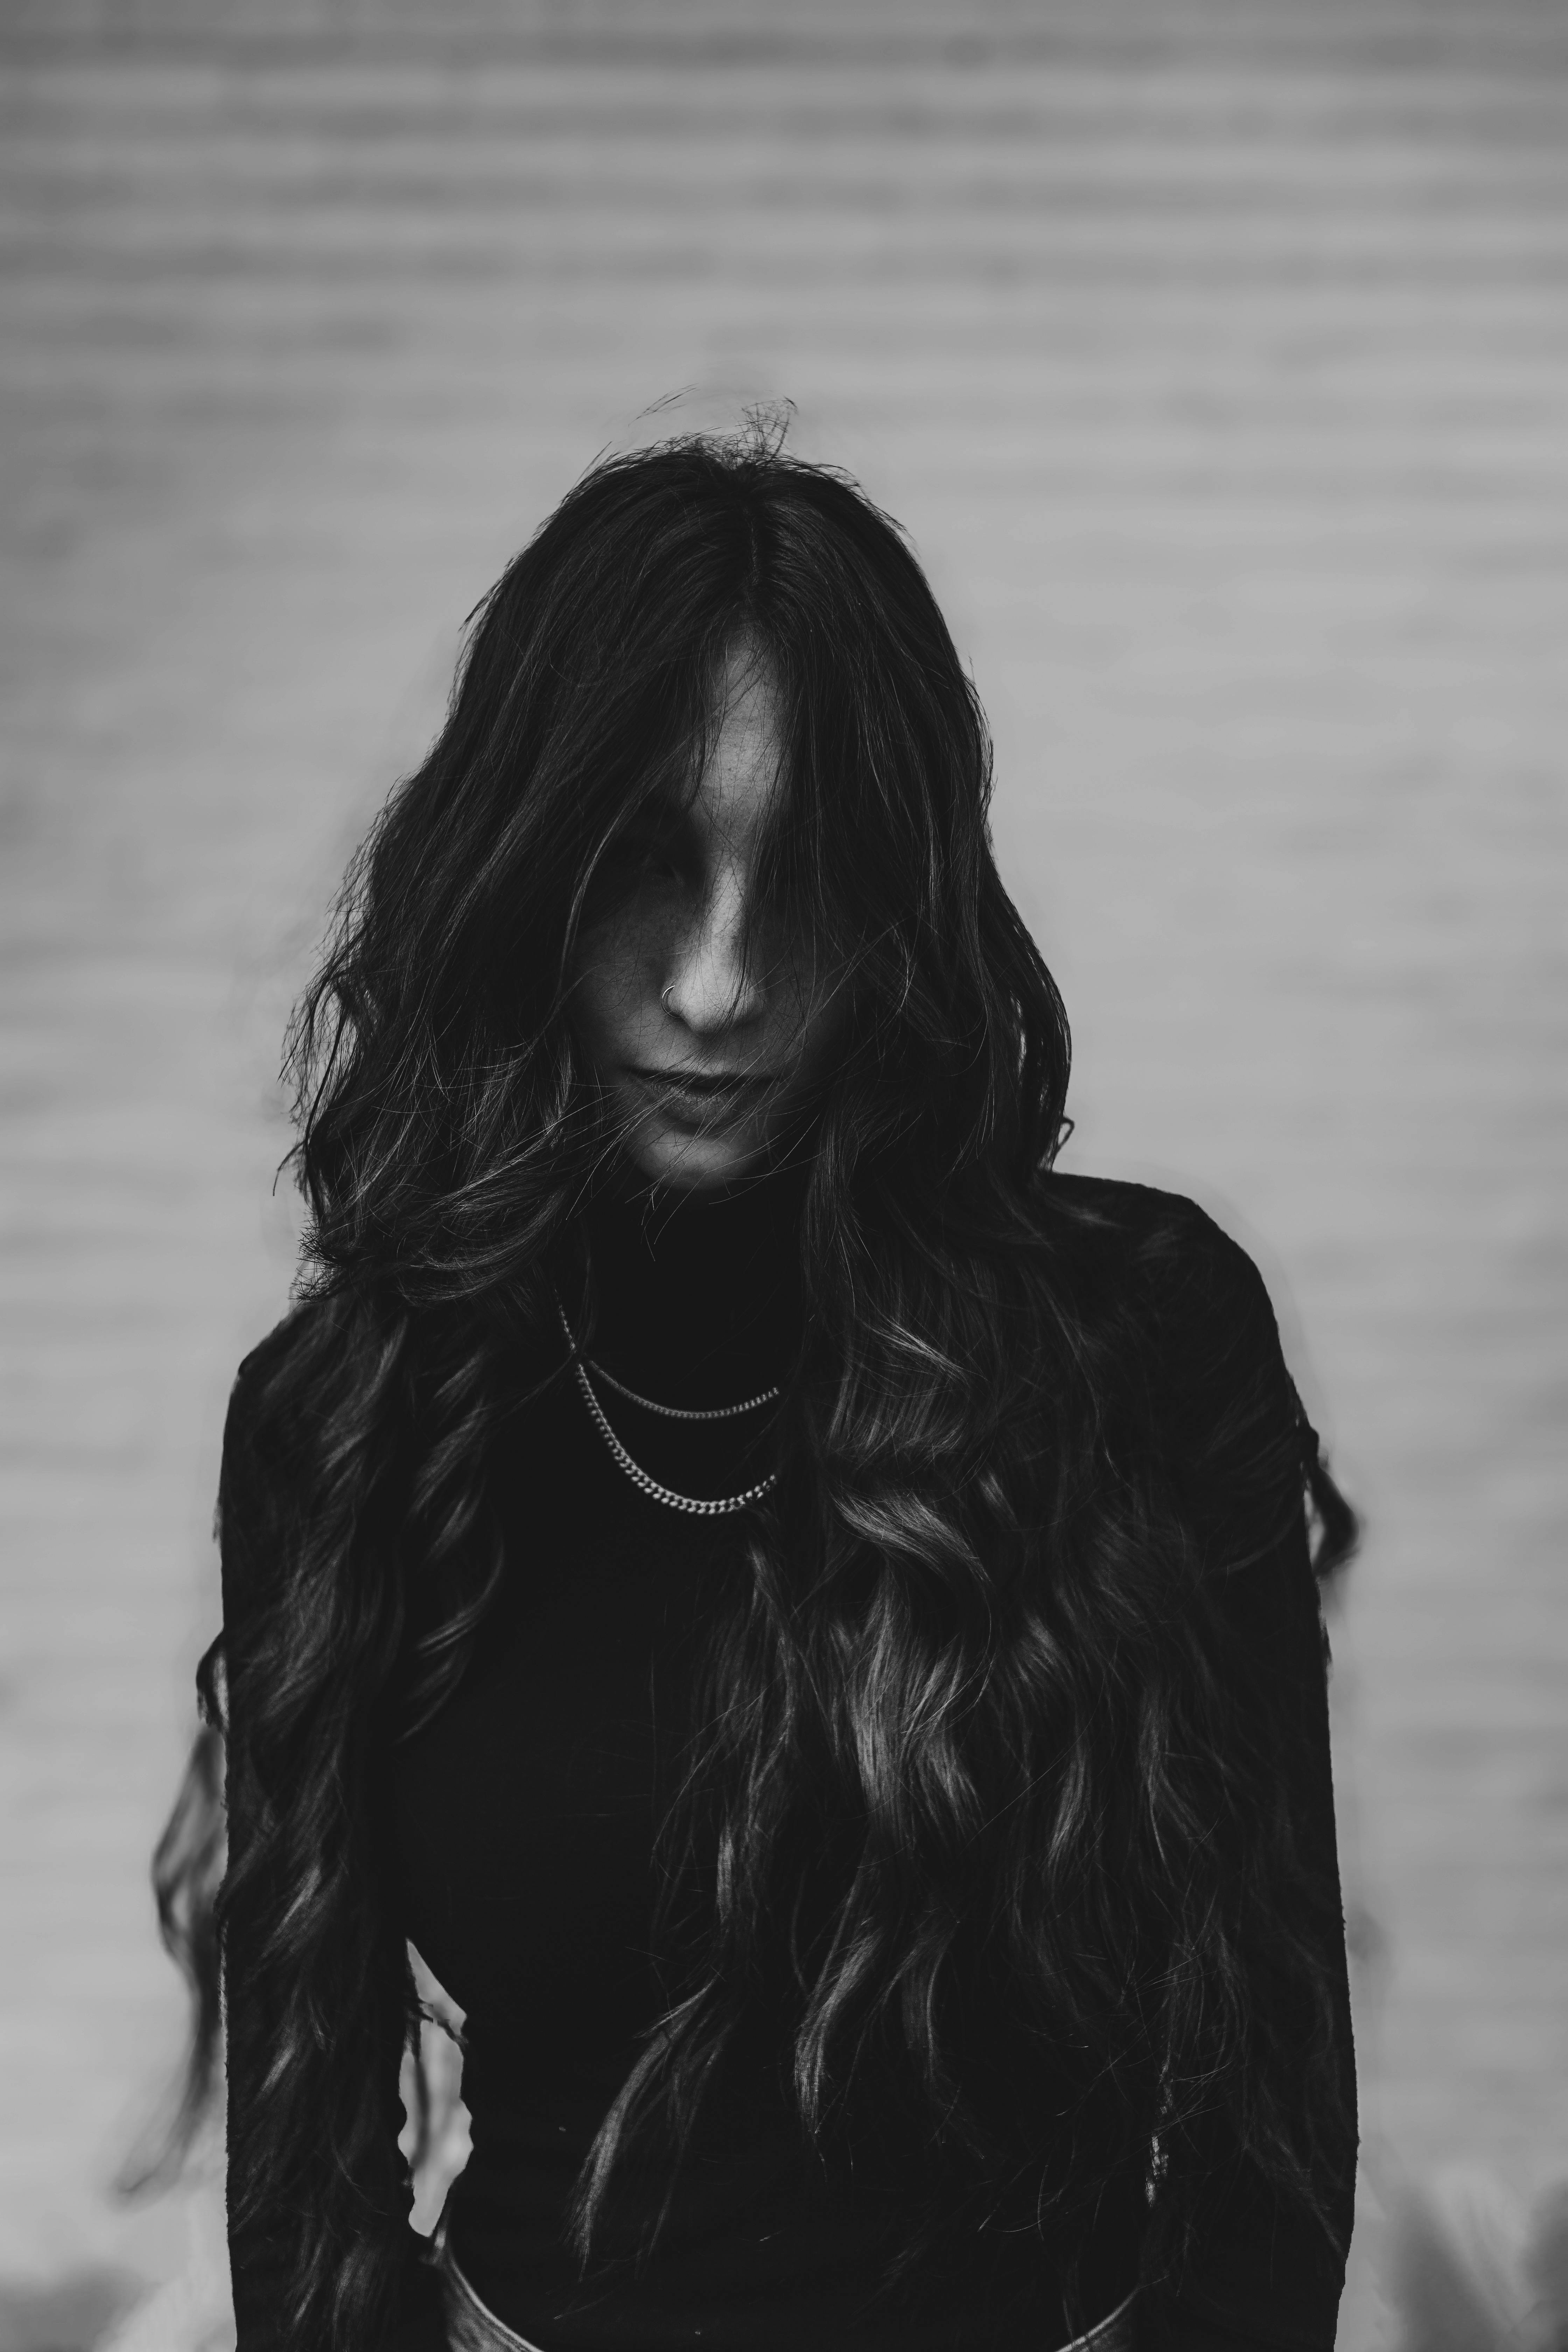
[(697, 1295)]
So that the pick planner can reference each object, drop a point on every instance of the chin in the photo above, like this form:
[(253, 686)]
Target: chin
[(694, 1163)]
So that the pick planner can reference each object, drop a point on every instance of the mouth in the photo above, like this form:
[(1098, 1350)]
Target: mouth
[(700, 1090)]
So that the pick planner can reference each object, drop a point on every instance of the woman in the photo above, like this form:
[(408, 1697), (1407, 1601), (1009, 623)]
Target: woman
[(800, 1613)]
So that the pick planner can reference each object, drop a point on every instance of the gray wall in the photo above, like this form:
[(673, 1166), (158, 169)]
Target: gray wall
[(1216, 358)]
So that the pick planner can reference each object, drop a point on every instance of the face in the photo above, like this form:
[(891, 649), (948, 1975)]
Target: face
[(706, 1053)]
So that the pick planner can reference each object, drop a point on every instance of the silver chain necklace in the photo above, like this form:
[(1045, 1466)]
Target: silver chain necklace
[(700, 1508), (677, 1411)]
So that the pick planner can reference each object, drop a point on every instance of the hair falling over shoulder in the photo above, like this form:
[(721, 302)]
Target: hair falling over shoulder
[(969, 1672)]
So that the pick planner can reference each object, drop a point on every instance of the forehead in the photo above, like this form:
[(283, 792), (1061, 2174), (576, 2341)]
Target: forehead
[(742, 779)]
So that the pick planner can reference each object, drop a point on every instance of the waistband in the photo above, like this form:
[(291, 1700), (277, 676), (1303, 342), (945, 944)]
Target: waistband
[(473, 2325)]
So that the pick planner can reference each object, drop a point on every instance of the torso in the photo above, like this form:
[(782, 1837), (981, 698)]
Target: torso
[(527, 1817)]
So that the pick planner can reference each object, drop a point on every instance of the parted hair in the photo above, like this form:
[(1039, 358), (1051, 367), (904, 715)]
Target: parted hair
[(974, 1804)]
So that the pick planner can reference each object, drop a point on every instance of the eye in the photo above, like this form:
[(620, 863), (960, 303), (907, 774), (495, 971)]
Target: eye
[(654, 850), (650, 861)]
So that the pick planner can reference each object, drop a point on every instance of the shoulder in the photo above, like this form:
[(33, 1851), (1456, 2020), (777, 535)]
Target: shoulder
[(1175, 1266), (1193, 1317), (259, 1399), (267, 1455), (270, 1357)]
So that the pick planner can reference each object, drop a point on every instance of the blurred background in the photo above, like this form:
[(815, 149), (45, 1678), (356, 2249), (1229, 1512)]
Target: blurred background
[(1215, 354)]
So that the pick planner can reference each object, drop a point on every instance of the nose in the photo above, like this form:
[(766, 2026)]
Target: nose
[(710, 988)]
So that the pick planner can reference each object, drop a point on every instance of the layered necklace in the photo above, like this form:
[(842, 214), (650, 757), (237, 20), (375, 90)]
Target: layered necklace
[(700, 1508)]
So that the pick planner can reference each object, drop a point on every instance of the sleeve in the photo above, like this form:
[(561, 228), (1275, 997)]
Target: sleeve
[(1265, 2275), (255, 1500)]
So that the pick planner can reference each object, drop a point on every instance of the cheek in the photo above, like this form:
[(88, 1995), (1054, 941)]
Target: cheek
[(604, 990), (821, 1017)]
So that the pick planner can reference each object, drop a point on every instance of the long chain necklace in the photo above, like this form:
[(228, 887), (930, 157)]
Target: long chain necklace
[(699, 1508)]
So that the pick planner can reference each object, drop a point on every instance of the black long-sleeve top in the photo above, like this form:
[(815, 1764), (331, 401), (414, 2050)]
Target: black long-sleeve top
[(524, 1823)]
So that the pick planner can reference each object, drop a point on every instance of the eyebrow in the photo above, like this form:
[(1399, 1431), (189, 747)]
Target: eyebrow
[(666, 813), (665, 798)]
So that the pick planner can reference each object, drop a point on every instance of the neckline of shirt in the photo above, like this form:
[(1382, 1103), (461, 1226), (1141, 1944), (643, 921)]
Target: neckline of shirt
[(697, 1296)]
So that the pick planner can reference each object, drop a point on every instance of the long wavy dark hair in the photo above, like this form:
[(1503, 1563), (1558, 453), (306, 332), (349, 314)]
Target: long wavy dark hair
[(973, 1674)]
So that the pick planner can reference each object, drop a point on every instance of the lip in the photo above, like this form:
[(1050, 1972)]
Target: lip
[(709, 1081), (706, 1089)]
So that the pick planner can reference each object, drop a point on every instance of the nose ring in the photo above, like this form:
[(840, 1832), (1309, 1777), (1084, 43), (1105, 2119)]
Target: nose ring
[(664, 995)]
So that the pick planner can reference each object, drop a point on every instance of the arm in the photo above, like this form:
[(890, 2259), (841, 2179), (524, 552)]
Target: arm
[(1265, 2273), (256, 1498)]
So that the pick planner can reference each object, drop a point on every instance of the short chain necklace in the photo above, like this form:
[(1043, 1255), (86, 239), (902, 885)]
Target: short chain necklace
[(677, 1411), (700, 1508)]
